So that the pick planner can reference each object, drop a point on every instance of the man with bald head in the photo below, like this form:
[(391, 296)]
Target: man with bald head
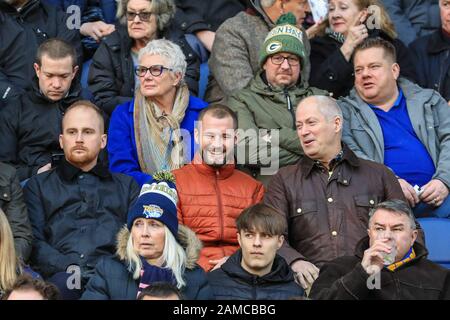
[(77, 208), (326, 197)]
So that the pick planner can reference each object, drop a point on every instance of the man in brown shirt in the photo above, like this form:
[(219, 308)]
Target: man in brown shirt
[(326, 197)]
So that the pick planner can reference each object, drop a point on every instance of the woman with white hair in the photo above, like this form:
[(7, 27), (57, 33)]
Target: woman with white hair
[(151, 248), (155, 130), (111, 77)]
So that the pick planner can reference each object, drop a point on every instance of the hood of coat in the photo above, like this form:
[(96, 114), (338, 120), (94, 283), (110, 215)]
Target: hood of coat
[(186, 237), (280, 273)]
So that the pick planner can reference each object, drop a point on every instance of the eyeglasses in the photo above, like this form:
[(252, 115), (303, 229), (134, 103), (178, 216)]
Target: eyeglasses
[(279, 59), (143, 16), (155, 70)]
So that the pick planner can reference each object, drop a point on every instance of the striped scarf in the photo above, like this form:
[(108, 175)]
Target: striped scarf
[(407, 258)]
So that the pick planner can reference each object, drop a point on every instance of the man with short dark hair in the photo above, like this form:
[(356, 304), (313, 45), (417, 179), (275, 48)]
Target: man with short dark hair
[(388, 264), (256, 271), (77, 208), (31, 123), (211, 192), (327, 195), (393, 121)]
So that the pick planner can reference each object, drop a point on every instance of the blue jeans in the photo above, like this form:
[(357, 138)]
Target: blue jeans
[(424, 210)]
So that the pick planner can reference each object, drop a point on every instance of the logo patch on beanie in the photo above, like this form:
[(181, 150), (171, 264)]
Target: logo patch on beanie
[(152, 211), (274, 47)]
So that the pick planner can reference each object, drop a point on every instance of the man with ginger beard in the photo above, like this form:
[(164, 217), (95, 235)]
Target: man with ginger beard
[(77, 208), (211, 192)]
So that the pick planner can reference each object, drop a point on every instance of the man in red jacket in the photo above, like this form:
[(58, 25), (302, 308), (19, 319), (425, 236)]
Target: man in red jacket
[(211, 192)]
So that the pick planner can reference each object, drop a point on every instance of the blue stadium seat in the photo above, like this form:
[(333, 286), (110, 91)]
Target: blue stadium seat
[(437, 239)]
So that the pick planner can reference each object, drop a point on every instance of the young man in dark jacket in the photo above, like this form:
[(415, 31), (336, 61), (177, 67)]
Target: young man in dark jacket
[(388, 265), (77, 208), (41, 22), (31, 124), (13, 205), (256, 271)]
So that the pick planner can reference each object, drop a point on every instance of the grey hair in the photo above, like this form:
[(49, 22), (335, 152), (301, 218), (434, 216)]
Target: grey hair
[(175, 57), (395, 206), (267, 3), (327, 106), (173, 256), (163, 9)]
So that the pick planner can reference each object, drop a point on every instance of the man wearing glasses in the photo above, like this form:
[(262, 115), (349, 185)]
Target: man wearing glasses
[(266, 107)]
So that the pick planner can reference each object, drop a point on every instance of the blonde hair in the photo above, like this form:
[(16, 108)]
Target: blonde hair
[(9, 263), (173, 256), (386, 24)]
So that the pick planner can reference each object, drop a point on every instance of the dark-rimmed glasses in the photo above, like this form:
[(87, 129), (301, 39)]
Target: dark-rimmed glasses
[(155, 70), (279, 59), (143, 16)]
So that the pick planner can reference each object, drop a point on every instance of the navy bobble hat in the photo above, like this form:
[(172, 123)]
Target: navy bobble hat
[(157, 200)]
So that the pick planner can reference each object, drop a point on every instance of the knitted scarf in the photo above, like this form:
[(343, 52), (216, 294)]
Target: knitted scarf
[(158, 137), (151, 274), (410, 255)]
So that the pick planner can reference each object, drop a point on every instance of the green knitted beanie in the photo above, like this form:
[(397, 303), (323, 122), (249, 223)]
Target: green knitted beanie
[(285, 37)]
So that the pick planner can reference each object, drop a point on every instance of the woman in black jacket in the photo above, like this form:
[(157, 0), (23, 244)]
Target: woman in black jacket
[(349, 23), (111, 75)]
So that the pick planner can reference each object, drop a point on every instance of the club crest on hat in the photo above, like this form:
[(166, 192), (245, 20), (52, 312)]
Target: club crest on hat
[(152, 211), (273, 47)]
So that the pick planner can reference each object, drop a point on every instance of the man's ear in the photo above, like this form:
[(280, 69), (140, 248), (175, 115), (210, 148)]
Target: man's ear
[(338, 124), (197, 134), (37, 69), (280, 242), (239, 238), (396, 70), (414, 237), (75, 71), (104, 138), (61, 142)]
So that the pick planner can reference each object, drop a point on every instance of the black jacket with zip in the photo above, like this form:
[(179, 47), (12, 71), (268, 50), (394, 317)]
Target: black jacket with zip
[(232, 282)]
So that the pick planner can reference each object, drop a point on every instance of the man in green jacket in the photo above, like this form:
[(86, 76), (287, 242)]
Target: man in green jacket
[(266, 107)]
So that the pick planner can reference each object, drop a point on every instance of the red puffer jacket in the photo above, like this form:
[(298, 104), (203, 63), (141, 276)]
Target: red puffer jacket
[(209, 201)]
